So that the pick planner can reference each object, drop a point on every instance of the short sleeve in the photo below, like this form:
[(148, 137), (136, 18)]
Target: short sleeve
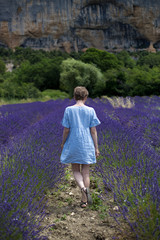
[(94, 120), (65, 120)]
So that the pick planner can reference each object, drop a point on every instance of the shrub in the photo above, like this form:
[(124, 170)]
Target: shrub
[(76, 73)]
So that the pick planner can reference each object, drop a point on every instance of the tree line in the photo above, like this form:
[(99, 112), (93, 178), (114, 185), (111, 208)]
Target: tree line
[(102, 73)]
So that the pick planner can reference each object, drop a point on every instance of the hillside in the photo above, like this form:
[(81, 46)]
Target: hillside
[(73, 25)]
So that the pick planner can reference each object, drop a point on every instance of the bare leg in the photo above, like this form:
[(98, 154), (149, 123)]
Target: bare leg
[(86, 180), (79, 179), (85, 174), (77, 175)]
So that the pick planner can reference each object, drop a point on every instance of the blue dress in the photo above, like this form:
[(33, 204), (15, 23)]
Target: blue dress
[(79, 145)]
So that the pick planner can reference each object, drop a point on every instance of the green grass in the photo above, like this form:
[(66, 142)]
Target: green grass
[(98, 204), (54, 94), (46, 96)]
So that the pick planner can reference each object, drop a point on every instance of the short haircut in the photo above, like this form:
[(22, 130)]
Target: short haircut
[(80, 93)]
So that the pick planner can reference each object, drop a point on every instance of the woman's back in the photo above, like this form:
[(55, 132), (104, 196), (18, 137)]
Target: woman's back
[(79, 146), (79, 117)]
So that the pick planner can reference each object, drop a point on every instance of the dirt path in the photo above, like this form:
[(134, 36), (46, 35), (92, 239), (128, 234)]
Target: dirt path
[(73, 222)]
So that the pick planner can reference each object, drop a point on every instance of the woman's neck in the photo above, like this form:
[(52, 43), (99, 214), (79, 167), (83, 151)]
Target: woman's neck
[(80, 103)]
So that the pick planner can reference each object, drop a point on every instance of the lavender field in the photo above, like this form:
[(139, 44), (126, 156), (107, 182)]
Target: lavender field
[(129, 165)]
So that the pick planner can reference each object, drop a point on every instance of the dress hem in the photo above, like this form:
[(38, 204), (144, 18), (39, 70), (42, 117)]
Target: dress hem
[(79, 163)]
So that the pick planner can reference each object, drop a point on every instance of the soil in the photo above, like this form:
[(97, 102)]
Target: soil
[(70, 221)]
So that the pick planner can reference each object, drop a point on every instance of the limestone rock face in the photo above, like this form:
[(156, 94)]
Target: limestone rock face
[(73, 25)]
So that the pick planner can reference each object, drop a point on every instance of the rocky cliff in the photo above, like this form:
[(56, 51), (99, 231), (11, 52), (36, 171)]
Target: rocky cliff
[(73, 25)]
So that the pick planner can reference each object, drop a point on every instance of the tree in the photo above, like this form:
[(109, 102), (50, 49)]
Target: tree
[(115, 82), (150, 60), (10, 89), (126, 60), (2, 67), (76, 73), (101, 59), (43, 74), (139, 82)]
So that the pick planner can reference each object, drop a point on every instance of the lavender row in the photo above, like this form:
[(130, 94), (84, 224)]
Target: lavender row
[(18, 117), (130, 163), (29, 165)]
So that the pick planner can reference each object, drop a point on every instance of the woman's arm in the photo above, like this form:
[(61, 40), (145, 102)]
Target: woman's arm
[(65, 135), (94, 136)]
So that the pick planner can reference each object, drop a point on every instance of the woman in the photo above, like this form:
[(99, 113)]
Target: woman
[(79, 143)]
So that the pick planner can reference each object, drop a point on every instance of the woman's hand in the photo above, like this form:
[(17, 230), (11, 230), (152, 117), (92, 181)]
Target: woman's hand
[(97, 152), (94, 137), (65, 135), (62, 146)]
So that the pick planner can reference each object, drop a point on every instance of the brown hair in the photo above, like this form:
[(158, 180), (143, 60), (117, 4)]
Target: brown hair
[(80, 93)]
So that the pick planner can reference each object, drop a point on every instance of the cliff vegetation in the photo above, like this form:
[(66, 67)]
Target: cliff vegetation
[(103, 73)]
